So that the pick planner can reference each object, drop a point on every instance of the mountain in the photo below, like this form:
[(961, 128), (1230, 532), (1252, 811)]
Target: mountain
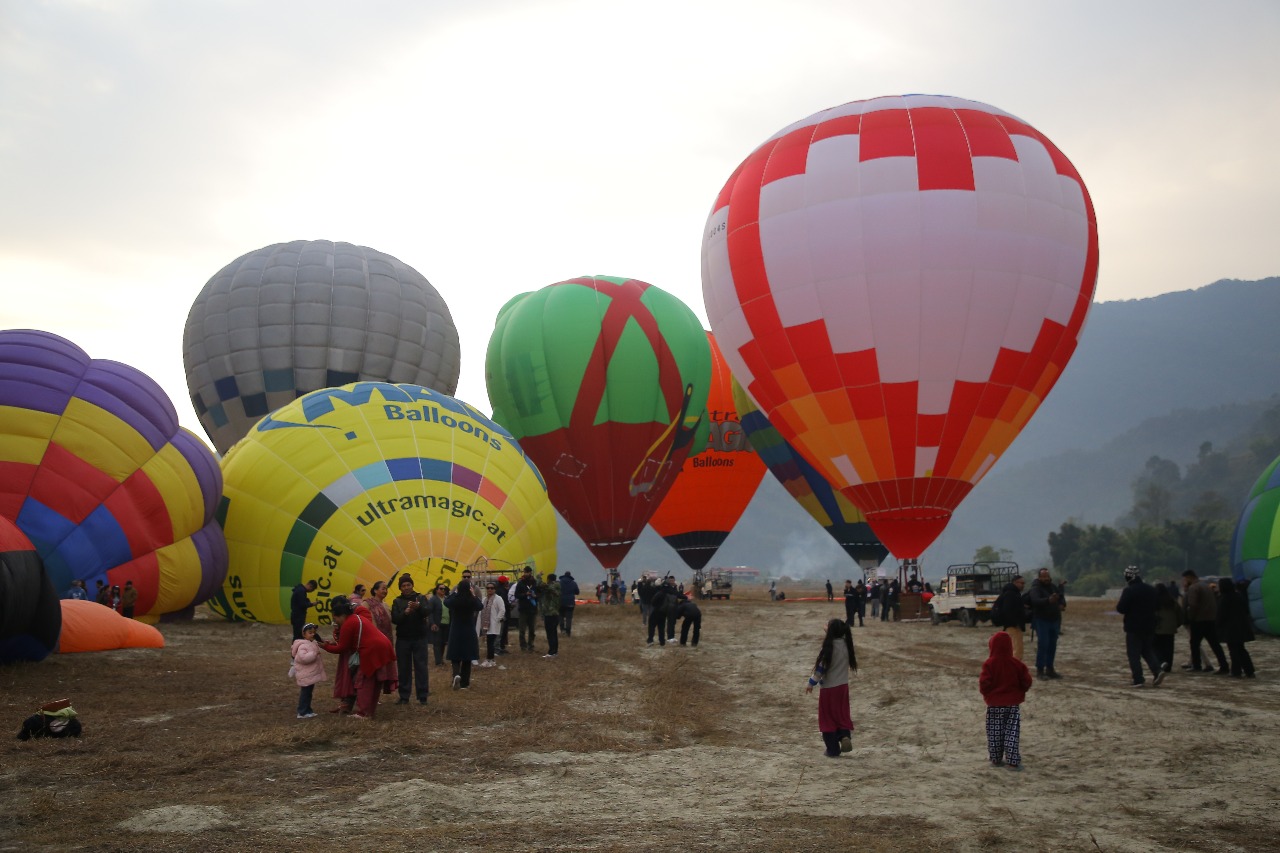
[(1155, 376)]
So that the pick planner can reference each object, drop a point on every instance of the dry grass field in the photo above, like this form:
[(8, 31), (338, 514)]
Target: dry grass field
[(619, 746)]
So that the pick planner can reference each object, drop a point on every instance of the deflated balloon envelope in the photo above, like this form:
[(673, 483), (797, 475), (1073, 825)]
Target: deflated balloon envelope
[(30, 618), (1255, 550), (604, 382), (714, 486), (361, 483), (844, 521), (291, 318), (899, 283), (95, 470)]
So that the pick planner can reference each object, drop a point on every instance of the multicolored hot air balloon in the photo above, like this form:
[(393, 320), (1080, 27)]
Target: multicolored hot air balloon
[(95, 470), (844, 521), (30, 617), (604, 382), (365, 482), (292, 318), (714, 486), (898, 283), (1255, 550)]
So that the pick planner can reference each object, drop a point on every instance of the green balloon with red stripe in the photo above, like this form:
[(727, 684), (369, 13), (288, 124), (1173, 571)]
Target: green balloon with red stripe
[(604, 383)]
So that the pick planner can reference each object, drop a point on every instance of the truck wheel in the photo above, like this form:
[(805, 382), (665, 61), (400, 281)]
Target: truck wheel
[(966, 618)]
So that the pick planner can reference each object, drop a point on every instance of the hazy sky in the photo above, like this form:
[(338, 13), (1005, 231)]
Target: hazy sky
[(501, 146)]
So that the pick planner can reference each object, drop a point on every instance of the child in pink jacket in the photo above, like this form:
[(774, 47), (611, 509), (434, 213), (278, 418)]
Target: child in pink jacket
[(308, 668)]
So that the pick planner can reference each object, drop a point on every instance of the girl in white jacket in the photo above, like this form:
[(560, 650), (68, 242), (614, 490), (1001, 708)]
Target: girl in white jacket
[(491, 617)]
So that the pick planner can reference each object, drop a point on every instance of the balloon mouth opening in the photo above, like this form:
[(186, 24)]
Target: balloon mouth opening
[(906, 532)]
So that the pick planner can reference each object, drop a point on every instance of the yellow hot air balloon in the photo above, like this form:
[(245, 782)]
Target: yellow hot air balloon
[(364, 482)]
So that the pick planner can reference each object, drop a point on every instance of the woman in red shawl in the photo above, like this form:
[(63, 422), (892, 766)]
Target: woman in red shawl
[(359, 639), (388, 676)]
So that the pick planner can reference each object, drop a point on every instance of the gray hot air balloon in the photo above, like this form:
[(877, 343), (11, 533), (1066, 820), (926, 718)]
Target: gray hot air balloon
[(292, 318)]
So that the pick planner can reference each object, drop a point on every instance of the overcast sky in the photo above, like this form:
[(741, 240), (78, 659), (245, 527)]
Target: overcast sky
[(498, 147)]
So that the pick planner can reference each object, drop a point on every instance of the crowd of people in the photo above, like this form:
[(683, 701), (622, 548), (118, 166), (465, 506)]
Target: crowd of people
[(385, 651), (663, 604), (123, 600), (1215, 613)]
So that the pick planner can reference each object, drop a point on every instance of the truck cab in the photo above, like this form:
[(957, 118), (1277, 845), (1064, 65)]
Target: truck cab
[(969, 590)]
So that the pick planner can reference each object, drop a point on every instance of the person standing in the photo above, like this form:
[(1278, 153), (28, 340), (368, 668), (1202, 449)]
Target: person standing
[(831, 596), (1235, 627), (412, 618), (1009, 614), (376, 601), (1201, 605), (831, 669), (850, 603), (77, 591), (526, 596), (1168, 621), (308, 668), (503, 588), (568, 601), (438, 617), (691, 616), (645, 589), (492, 618), (128, 599), (299, 604), (657, 613), (549, 607), (364, 651), (889, 603), (1047, 604), (464, 646), (1137, 605), (1004, 683)]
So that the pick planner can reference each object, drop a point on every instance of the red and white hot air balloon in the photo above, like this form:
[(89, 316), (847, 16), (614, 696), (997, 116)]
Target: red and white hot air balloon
[(898, 283)]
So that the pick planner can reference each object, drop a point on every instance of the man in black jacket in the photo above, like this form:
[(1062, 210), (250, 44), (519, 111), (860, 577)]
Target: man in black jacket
[(527, 608), (1138, 606), (410, 613), (1047, 604), (692, 616), (299, 604), (1008, 613)]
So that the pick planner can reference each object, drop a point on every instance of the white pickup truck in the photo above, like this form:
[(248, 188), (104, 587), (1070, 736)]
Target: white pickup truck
[(969, 591)]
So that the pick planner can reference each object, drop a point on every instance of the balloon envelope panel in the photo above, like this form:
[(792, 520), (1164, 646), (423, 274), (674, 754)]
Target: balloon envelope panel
[(604, 382), (1255, 550), (844, 521), (291, 318), (360, 483), (97, 473), (898, 283), (30, 618), (89, 627), (714, 486)]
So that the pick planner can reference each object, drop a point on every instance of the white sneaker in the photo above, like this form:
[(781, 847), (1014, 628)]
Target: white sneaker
[(307, 716), (457, 682), (549, 656)]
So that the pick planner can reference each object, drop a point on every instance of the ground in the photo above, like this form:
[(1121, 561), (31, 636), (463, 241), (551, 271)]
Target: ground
[(616, 746)]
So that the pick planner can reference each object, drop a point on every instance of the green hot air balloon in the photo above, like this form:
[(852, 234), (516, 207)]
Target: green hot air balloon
[(604, 382)]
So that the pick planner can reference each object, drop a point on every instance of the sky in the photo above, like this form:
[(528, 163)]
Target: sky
[(498, 147)]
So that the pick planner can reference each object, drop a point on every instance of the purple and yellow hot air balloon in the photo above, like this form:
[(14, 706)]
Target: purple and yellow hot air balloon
[(98, 475)]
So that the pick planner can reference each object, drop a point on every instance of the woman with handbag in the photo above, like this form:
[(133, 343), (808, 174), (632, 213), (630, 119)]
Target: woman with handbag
[(362, 652)]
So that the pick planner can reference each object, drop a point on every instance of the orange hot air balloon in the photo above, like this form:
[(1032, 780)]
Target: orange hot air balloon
[(898, 283), (715, 486)]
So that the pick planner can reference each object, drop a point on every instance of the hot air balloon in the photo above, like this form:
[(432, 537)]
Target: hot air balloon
[(292, 318), (714, 486), (1255, 550), (368, 481), (89, 627), (604, 382), (95, 470), (898, 283), (30, 618), (844, 521)]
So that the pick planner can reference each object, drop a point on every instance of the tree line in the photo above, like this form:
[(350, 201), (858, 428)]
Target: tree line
[(1180, 518)]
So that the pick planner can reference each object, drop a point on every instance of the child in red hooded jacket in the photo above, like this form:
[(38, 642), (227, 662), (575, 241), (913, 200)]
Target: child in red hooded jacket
[(1004, 683)]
